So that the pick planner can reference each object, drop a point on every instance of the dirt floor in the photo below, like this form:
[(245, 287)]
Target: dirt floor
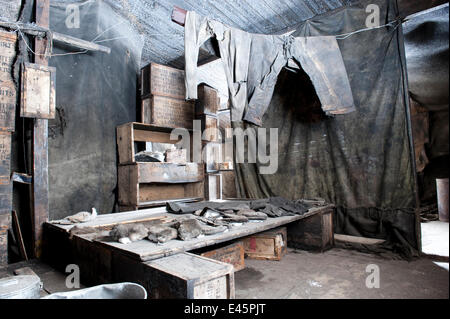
[(339, 273)]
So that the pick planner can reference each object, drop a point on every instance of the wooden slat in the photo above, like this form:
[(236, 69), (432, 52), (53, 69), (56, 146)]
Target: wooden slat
[(170, 173), (40, 142)]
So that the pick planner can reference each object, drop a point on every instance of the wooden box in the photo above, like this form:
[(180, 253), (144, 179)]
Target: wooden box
[(167, 112), (213, 186), (231, 254), (8, 89), (130, 133), (209, 125), (38, 96), (207, 100), (153, 184), (313, 233), (157, 79), (188, 276), (269, 245)]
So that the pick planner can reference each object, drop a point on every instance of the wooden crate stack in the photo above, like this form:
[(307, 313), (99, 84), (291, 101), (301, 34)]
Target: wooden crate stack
[(163, 108), (8, 93), (206, 108)]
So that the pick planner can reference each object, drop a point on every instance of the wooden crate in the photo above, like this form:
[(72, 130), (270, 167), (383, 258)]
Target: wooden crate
[(130, 133), (213, 186), (207, 100), (269, 245), (313, 233), (153, 184), (209, 123), (8, 89), (167, 112), (229, 253), (157, 79), (189, 276)]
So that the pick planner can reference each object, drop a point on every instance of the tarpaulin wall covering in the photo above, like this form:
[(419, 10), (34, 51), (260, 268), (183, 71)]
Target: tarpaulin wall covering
[(427, 54), (95, 92), (360, 161)]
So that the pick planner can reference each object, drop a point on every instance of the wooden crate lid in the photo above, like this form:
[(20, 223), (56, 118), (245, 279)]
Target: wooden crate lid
[(191, 267)]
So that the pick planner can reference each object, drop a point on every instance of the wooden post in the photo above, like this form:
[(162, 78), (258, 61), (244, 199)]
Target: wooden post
[(40, 142)]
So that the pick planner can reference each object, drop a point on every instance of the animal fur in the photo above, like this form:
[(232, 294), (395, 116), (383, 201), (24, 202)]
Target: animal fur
[(126, 234), (161, 234)]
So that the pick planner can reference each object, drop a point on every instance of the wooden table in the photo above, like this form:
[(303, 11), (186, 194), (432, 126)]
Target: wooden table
[(107, 261)]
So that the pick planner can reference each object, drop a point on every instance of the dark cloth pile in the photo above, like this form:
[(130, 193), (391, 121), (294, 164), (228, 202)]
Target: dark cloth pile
[(271, 207)]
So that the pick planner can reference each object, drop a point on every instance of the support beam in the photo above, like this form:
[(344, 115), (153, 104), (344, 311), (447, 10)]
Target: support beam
[(40, 31), (40, 143)]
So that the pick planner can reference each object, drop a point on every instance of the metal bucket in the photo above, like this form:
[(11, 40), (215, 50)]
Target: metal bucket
[(20, 287), (442, 197)]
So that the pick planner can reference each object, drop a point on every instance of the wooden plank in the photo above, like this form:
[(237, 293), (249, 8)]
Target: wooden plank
[(167, 112), (357, 240), (213, 186), (19, 237), (38, 96), (5, 171), (128, 185), (125, 143), (209, 123), (145, 250), (161, 80), (160, 193), (158, 172), (40, 142), (8, 89)]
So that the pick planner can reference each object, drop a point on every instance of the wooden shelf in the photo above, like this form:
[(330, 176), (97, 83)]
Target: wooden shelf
[(150, 184)]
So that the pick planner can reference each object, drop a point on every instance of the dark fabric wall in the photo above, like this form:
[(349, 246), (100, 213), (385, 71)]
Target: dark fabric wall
[(95, 93), (359, 161), (427, 54)]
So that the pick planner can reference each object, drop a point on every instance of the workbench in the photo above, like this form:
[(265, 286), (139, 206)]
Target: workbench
[(102, 260)]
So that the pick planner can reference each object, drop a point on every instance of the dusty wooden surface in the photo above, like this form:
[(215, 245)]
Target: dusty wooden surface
[(145, 250)]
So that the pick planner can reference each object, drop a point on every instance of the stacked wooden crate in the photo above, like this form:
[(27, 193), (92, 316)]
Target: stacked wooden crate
[(8, 95), (226, 167), (206, 107), (163, 108)]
